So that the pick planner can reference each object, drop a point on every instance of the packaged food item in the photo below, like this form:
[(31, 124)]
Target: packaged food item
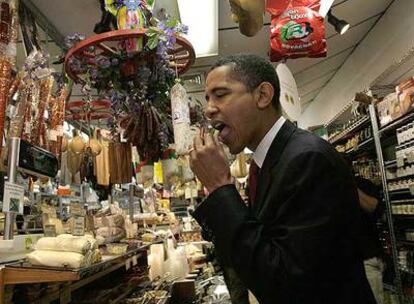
[(298, 32), (276, 7), (116, 249), (405, 91)]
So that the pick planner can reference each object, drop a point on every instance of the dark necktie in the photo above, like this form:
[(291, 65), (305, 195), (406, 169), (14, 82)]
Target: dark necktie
[(253, 176)]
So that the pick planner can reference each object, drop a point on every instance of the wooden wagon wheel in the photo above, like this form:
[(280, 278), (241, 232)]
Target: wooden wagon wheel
[(111, 44)]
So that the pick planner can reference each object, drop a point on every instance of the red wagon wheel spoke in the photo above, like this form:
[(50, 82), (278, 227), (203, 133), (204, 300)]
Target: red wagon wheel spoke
[(82, 49)]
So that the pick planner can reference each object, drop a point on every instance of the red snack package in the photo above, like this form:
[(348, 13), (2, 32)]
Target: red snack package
[(277, 7), (298, 32)]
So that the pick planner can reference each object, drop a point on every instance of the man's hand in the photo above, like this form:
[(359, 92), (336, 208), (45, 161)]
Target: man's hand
[(209, 162)]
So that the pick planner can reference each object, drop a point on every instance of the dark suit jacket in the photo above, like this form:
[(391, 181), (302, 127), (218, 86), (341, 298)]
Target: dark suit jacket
[(300, 242)]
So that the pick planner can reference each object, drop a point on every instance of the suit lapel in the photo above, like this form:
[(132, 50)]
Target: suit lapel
[(272, 157)]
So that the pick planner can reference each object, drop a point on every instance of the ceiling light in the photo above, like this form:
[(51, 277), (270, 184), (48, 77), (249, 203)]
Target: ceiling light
[(341, 26), (201, 17)]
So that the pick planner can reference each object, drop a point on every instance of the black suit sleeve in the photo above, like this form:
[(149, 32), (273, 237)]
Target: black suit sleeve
[(300, 241)]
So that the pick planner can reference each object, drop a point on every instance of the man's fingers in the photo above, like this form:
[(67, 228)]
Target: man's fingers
[(198, 142), (208, 139)]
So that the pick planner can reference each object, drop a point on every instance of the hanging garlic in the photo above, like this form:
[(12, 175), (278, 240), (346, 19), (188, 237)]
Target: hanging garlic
[(77, 145)]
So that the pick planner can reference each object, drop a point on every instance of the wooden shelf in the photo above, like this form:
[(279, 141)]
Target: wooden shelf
[(23, 273)]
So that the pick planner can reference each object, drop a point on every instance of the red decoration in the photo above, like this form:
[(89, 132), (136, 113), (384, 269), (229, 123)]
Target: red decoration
[(297, 32), (88, 111), (277, 7), (110, 43)]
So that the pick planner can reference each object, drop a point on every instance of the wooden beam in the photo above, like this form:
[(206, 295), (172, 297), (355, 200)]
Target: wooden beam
[(32, 275)]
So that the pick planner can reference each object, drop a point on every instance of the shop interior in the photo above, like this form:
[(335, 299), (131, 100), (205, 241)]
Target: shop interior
[(99, 104)]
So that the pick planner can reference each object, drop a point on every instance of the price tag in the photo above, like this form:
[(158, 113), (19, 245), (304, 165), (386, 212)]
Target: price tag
[(49, 230), (400, 162), (412, 189), (78, 226), (128, 264), (76, 209), (13, 198), (134, 260)]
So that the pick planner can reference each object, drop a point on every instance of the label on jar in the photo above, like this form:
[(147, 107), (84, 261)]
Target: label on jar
[(400, 162)]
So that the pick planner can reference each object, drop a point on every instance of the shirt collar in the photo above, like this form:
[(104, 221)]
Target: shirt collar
[(260, 153)]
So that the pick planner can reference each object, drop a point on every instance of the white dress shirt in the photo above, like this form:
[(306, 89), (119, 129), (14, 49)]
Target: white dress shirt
[(260, 153)]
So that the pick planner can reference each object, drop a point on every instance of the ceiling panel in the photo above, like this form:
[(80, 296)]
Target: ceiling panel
[(70, 16), (231, 42), (401, 73), (322, 67), (315, 83), (354, 11), (309, 97)]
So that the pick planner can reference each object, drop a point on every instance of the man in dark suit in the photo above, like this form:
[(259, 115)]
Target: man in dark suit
[(299, 240)]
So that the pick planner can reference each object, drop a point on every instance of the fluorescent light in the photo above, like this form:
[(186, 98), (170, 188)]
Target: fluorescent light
[(325, 6), (201, 17)]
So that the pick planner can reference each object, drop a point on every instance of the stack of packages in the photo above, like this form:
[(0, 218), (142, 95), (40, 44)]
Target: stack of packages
[(66, 250), (164, 258), (109, 225)]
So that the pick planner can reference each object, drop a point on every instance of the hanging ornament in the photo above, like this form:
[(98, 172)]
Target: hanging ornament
[(130, 14)]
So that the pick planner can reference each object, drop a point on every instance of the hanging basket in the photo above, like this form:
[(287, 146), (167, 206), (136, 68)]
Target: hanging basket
[(112, 44)]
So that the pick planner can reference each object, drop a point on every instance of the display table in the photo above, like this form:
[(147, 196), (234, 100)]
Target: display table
[(24, 273)]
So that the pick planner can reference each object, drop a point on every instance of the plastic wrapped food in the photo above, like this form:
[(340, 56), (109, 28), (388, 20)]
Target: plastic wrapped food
[(277, 7), (183, 138), (72, 244), (298, 32), (57, 259)]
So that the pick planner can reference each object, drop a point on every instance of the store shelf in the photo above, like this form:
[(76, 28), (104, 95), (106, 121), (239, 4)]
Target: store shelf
[(400, 178), (405, 242), (361, 147), (346, 133), (400, 192), (390, 163), (403, 216), (397, 123), (402, 201), (24, 273)]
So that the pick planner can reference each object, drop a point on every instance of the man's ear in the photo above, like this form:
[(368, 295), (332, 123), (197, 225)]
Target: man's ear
[(264, 95)]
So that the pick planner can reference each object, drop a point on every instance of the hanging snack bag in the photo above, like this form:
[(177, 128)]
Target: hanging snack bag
[(298, 32)]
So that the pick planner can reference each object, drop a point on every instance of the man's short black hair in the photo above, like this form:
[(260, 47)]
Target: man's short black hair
[(252, 70)]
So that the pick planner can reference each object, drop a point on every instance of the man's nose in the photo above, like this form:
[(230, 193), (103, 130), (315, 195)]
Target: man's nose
[(210, 110)]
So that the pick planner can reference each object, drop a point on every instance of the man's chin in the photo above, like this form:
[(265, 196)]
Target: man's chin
[(235, 150)]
